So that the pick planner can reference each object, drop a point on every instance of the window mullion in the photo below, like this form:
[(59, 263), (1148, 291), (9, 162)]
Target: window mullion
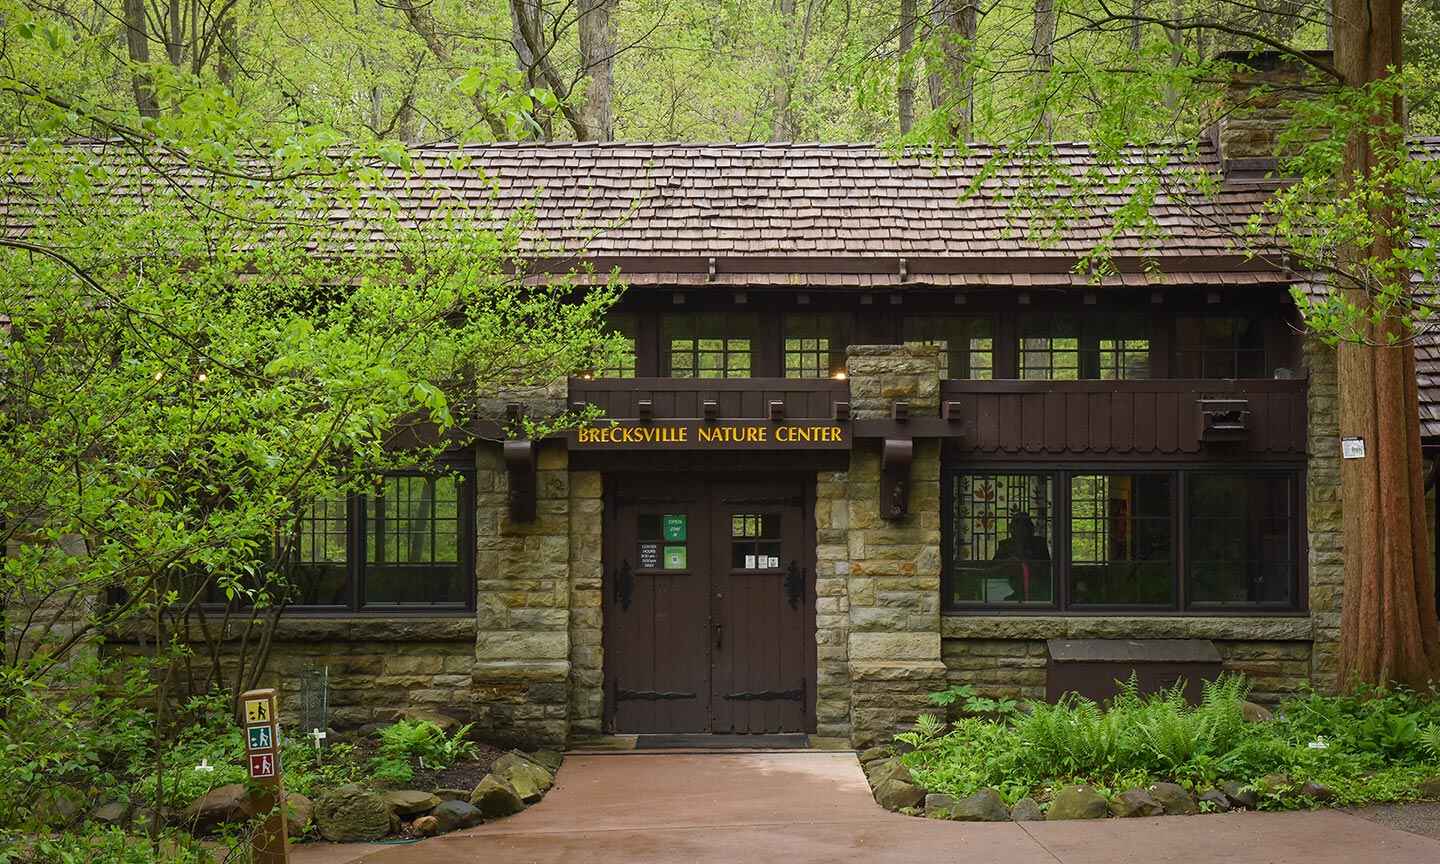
[(1063, 526), (1179, 516)]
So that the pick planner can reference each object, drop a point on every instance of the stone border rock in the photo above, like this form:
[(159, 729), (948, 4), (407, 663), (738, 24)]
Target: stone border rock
[(356, 813), (897, 790)]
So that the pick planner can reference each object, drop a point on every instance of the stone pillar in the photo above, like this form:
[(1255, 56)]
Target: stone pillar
[(522, 646), (832, 606), (587, 686), (893, 584), (1326, 545)]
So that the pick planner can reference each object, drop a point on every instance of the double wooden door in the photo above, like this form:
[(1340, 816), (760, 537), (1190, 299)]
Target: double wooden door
[(709, 605)]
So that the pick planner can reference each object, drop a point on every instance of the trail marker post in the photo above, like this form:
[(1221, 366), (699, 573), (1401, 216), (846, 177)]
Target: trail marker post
[(260, 720)]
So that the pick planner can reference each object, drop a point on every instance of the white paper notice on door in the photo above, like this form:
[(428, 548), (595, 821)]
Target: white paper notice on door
[(749, 562)]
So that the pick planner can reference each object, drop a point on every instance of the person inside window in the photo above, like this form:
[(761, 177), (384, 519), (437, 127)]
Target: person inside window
[(1025, 561)]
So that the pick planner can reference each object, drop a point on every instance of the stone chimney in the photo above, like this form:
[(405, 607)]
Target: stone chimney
[(1259, 103)]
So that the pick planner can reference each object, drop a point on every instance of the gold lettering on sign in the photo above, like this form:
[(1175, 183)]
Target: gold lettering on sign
[(708, 434)]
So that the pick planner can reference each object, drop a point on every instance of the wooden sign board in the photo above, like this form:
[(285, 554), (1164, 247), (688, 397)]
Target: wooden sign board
[(712, 435), (260, 718)]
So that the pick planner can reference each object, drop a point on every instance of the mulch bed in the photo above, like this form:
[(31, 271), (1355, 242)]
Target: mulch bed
[(461, 775)]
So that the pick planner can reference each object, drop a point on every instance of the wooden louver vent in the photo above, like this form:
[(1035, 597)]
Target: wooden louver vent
[(1224, 419)]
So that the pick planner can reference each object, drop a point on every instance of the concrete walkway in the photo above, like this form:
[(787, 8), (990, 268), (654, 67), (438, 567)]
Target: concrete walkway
[(804, 807)]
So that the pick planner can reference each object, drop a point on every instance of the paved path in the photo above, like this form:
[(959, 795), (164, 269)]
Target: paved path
[(814, 808)]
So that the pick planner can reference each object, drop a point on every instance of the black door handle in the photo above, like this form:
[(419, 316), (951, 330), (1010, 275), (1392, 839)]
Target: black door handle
[(624, 585), (719, 635), (795, 584)]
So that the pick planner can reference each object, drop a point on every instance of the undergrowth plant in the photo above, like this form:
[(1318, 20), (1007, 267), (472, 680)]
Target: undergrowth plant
[(1367, 746)]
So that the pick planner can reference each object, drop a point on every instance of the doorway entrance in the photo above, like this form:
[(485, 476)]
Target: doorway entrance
[(709, 605)]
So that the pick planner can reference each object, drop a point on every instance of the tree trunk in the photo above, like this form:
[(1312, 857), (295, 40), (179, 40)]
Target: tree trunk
[(1388, 628), (905, 78), (784, 126), (1136, 7), (1042, 57), (137, 42), (597, 55), (423, 23)]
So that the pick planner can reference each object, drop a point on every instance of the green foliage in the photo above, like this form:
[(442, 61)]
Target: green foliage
[(408, 744), (1377, 745), (964, 697), (94, 845)]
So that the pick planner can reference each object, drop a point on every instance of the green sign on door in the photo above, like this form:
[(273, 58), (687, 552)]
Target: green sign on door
[(674, 526)]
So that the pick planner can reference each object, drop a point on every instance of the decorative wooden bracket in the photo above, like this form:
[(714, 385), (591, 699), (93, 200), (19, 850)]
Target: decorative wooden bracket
[(520, 466), (895, 461)]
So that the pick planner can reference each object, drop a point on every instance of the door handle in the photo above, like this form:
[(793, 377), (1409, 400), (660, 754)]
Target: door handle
[(719, 635)]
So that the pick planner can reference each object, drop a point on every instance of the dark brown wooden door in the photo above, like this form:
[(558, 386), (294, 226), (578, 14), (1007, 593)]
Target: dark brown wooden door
[(709, 606)]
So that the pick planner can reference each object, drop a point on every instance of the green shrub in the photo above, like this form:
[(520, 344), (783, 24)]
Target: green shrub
[(409, 744), (1368, 746)]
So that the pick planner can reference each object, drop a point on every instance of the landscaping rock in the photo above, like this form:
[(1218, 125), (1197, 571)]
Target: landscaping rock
[(454, 816), (894, 794), (1254, 713), (984, 806), (299, 813), (446, 723), (372, 730), (874, 754), (887, 769), (1135, 802), (530, 780), (426, 826), (1175, 799), (1240, 795), (495, 798), (111, 813), (938, 805), (352, 814), (223, 804), (1026, 810), (550, 760), (1429, 787), (1317, 792), (453, 795), (1274, 784), (1218, 801), (410, 802), (1077, 802)]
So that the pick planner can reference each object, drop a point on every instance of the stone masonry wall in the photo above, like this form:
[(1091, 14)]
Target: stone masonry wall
[(832, 605), (586, 575), (521, 674), (1326, 559), (893, 584)]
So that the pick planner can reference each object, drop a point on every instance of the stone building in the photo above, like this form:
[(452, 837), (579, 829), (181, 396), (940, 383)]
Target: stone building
[(874, 438)]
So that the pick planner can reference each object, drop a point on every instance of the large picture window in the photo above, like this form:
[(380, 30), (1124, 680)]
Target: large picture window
[(814, 346), (404, 546), (1220, 348), (1065, 348), (1200, 539)]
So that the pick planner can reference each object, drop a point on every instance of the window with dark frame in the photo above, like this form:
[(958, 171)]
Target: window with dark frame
[(1114, 539), (1220, 347), (1050, 349), (415, 533), (968, 343), (715, 345), (1062, 347), (814, 346), (623, 365)]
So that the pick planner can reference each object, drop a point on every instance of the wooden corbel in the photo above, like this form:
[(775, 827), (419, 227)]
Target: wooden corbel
[(895, 461), (520, 467)]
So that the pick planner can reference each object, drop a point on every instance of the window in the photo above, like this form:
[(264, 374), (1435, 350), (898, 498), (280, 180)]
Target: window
[(413, 543), (968, 343), (1111, 347), (415, 530), (814, 346), (623, 364), (1000, 535), (1188, 539), (1220, 348), (755, 541), (1120, 550), (707, 346), (1241, 548), (1050, 349)]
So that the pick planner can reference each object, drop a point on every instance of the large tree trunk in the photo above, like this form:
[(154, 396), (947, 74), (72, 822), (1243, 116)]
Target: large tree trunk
[(423, 23), (1388, 629), (905, 78), (597, 56), (1042, 56), (951, 82), (137, 42)]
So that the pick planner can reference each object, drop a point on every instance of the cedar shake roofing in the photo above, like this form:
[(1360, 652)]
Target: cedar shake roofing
[(825, 200)]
